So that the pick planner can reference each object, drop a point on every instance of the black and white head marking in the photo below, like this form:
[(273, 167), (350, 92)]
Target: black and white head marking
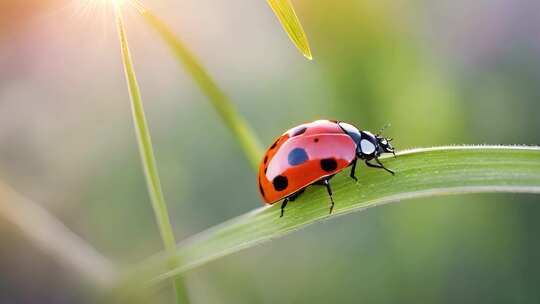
[(367, 147), (384, 145)]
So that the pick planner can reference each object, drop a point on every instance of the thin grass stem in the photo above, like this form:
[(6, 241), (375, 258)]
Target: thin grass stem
[(223, 105), (147, 156)]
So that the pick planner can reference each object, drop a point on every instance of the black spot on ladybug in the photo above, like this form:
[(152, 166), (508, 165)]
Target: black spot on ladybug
[(298, 131), (328, 164), (280, 183), (265, 159), (297, 157), (274, 144), (265, 169), (316, 140)]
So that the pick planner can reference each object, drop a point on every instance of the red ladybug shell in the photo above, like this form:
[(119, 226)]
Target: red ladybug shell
[(302, 156)]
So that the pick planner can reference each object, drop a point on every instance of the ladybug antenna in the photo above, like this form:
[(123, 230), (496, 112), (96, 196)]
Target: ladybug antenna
[(383, 128)]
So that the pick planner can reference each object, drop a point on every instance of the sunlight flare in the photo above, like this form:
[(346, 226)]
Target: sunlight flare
[(102, 5)]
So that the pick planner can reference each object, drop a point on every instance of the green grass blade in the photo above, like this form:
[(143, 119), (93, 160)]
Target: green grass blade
[(225, 108), (419, 173), (287, 16), (147, 157), (53, 238)]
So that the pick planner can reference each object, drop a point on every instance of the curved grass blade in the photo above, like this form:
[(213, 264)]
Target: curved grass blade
[(147, 157), (291, 24), (419, 173), (223, 105), (55, 239)]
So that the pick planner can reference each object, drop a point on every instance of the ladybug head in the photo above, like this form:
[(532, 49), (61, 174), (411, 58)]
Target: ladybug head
[(384, 145), (371, 146)]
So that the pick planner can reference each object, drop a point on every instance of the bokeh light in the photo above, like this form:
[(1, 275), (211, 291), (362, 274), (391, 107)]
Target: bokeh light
[(441, 72)]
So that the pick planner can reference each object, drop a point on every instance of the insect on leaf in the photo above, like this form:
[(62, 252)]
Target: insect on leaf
[(419, 173)]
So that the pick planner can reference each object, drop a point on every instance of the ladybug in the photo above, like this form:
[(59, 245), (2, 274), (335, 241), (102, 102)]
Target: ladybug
[(311, 154)]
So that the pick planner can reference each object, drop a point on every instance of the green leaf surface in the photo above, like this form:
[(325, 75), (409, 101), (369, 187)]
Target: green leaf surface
[(292, 26), (419, 173)]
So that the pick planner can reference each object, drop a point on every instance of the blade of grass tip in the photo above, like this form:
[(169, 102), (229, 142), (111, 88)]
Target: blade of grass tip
[(147, 155), (291, 24), (54, 238), (223, 105), (419, 173)]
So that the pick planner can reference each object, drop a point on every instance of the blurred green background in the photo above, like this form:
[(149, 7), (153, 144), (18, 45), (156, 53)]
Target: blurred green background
[(441, 72)]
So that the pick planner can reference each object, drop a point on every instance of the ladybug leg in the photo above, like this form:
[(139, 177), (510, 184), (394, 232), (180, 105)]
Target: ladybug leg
[(382, 166), (326, 182), (329, 189), (353, 170), (283, 205), (290, 198), (379, 166)]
